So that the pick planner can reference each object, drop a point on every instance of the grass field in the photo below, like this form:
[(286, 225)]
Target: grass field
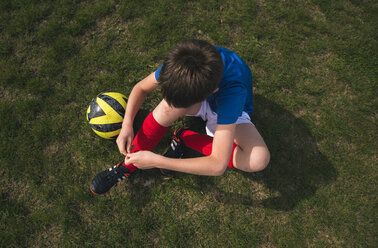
[(314, 64)]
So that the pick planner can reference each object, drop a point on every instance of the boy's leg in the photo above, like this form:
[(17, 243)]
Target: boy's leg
[(203, 143), (251, 153), (152, 131), (147, 137), (165, 115), (156, 125)]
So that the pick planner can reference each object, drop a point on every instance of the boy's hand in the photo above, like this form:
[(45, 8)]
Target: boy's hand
[(142, 159), (124, 140)]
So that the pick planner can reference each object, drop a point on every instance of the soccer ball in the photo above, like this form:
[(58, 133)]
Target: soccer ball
[(105, 114)]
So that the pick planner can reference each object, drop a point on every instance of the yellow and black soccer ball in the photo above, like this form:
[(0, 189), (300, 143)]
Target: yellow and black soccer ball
[(105, 114)]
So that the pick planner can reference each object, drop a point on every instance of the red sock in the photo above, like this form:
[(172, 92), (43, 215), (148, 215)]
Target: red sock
[(202, 143), (147, 137)]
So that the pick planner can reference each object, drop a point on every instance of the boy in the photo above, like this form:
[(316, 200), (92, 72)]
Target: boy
[(196, 79)]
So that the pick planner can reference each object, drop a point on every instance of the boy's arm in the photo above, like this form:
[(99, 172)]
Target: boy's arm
[(134, 102), (213, 165)]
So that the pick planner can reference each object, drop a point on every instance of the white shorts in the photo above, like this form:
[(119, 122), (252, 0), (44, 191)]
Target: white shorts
[(211, 118)]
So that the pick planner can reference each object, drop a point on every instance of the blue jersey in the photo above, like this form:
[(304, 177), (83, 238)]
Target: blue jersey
[(235, 89)]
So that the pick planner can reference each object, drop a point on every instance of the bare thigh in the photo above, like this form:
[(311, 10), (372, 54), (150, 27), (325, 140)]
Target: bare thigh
[(251, 154)]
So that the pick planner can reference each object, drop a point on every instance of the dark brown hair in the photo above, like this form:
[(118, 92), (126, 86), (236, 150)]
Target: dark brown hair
[(190, 73)]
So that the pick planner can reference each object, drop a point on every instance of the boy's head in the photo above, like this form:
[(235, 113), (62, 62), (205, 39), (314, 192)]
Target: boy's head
[(190, 73)]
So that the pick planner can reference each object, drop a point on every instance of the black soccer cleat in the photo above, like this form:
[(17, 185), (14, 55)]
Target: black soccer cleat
[(106, 179), (177, 149)]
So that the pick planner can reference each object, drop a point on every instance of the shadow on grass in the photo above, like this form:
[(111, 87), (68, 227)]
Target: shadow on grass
[(296, 170), (297, 167)]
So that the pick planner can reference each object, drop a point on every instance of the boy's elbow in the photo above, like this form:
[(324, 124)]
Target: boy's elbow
[(219, 169)]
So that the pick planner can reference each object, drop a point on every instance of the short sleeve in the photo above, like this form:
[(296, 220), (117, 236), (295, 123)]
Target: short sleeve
[(157, 73), (229, 104)]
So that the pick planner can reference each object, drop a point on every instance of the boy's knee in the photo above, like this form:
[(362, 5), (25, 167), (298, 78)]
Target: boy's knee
[(219, 171), (164, 109), (165, 115), (259, 161)]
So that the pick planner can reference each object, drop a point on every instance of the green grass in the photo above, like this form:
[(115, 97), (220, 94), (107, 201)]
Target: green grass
[(315, 70)]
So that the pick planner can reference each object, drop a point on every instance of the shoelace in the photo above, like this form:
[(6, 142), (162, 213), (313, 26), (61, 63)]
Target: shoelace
[(117, 175)]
